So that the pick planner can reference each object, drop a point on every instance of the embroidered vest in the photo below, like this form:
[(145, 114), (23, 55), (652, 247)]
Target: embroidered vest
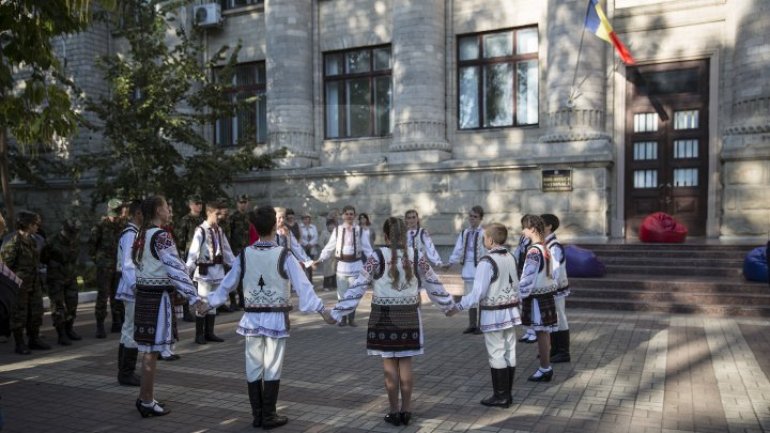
[(503, 290), (150, 271), (544, 282), (407, 293), (416, 239), (553, 244), (265, 284), (130, 229), (476, 245), (210, 251), (341, 233)]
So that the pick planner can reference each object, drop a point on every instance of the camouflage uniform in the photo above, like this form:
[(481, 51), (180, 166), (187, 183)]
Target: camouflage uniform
[(61, 255), (21, 255), (102, 247), (184, 232)]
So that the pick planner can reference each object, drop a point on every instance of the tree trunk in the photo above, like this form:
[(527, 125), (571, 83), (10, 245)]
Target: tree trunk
[(4, 181)]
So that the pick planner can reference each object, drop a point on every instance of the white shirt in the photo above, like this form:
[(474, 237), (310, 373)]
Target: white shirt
[(309, 235), (490, 320), (268, 324), (346, 268), (127, 285), (221, 246), (428, 248), (469, 267)]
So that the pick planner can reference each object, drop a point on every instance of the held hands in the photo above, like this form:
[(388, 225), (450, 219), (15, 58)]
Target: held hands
[(452, 311), (201, 308), (327, 316), (444, 266)]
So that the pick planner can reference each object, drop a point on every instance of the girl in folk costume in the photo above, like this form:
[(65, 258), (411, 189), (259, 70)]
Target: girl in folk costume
[(469, 248), (265, 269), (286, 238), (560, 338), (350, 246), (520, 254), (329, 267), (418, 237), (395, 324), (537, 290), (209, 252), (159, 273), (495, 289)]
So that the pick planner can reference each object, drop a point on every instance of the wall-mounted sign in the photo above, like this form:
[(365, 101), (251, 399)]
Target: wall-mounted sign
[(557, 180)]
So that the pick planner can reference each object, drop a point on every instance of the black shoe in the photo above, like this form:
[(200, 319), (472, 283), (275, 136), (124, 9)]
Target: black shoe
[(470, 330), (70, 331), (560, 357), (405, 417), (477, 331), (154, 410), (172, 357), (21, 344), (22, 349), (35, 343), (100, 332), (63, 339), (393, 418), (544, 376)]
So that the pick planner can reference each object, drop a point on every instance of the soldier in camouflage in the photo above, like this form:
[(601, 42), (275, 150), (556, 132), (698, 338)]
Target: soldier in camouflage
[(102, 246), (20, 254), (184, 232), (61, 254), (237, 232)]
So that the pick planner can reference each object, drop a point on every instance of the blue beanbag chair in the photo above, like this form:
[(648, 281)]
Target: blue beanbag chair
[(755, 265), (582, 263)]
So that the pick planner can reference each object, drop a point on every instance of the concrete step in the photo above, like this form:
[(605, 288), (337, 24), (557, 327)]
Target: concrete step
[(680, 262), (674, 297), (674, 270), (722, 310), (661, 283)]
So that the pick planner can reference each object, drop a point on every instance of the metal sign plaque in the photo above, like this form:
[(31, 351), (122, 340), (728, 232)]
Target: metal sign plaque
[(557, 180)]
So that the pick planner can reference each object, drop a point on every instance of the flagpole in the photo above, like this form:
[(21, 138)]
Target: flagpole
[(570, 102)]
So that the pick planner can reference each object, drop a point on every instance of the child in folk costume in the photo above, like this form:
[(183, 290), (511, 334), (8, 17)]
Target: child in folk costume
[(209, 252), (418, 237), (495, 289), (520, 254), (126, 293), (329, 267), (350, 246), (159, 273), (537, 291), (469, 248), (265, 270), (560, 338), (286, 238), (397, 273)]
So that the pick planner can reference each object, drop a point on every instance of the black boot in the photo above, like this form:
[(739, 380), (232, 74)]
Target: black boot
[(200, 323), (63, 340), (255, 398), (35, 342), (270, 418), (233, 303), (21, 345), (69, 329), (116, 327), (352, 316), (554, 342), (100, 332), (472, 321), (501, 397), (127, 366), (209, 334), (562, 347), (511, 374), (186, 314)]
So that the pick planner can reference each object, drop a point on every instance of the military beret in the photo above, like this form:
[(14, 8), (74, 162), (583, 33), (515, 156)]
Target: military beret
[(195, 198), (243, 198)]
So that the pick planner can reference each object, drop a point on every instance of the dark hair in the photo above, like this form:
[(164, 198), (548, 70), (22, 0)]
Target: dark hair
[(289, 211), (134, 206), (363, 215), (25, 219), (263, 219), (348, 207), (149, 207), (550, 220), (478, 210), (406, 214), (395, 231)]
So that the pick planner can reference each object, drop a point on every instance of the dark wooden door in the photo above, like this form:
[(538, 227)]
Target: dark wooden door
[(667, 158)]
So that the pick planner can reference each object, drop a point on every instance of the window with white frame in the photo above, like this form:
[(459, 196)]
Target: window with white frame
[(498, 79)]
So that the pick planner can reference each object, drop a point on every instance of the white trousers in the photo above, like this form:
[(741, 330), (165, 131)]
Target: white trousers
[(264, 358), (501, 348), (204, 288), (343, 284), (561, 314), (127, 331)]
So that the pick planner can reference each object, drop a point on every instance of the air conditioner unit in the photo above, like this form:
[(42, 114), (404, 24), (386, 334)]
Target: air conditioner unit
[(207, 15)]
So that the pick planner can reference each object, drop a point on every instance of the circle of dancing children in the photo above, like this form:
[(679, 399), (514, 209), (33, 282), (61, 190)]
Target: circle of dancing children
[(396, 273)]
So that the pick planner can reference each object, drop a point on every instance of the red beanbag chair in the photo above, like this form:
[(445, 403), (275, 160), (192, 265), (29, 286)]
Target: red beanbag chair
[(662, 227), (755, 265), (582, 263)]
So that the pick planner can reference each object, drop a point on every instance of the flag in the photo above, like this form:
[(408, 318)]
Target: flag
[(597, 23)]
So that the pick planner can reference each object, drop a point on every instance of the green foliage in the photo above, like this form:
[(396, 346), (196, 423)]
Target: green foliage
[(161, 99)]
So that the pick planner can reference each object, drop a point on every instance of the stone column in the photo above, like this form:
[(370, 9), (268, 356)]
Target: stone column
[(289, 28), (573, 113), (419, 131), (746, 151)]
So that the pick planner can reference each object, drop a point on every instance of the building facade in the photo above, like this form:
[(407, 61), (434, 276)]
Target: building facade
[(440, 105)]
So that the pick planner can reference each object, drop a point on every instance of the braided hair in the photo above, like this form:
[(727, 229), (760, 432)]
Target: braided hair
[(150, 208), (537, 224), (395, 232)]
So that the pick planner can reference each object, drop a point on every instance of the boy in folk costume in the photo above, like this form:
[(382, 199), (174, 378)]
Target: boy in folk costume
[(209, 252), (469, 249), (265, 270), (495, 289), (418, 237), (127, 350), (537, 291), (351, 248), (396, 273), (560, 338)]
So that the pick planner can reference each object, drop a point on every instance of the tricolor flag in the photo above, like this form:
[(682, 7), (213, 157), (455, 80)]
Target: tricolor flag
[(597, 23)]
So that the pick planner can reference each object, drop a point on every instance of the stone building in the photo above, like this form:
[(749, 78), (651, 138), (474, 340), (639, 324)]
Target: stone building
[(440, 105)]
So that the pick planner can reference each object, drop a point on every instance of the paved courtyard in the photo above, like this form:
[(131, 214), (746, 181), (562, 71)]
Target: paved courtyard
[(631, 372)]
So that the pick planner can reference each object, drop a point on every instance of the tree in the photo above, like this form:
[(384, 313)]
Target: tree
[(35, 106), (161, 100)]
